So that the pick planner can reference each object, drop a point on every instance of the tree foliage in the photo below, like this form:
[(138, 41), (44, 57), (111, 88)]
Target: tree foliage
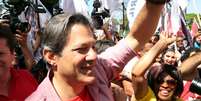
[(189, 19)]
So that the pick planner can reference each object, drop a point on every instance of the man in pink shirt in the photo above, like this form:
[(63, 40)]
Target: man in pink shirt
[(77, 73)]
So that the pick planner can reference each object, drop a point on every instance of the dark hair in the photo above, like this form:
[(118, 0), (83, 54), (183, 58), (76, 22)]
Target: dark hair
[(157, 37), (102, 45), (163, 54), (6, 33), (156, 73), (188, 53), (58, 28)]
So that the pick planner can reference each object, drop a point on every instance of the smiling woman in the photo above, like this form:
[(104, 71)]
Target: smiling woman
[(165, 81)]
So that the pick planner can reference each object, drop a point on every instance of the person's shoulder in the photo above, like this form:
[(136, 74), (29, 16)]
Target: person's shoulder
[(39, 94), (36, 96), (44, 92), (150, 96), (25, 75), (22, 71)]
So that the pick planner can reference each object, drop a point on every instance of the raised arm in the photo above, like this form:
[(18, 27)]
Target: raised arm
[(188, 68), (145, 24), (139, 82), (28, 57)]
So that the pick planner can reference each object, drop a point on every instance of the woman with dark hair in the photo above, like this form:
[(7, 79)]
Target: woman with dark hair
[(163, 82), (169, 57), (154, 38)]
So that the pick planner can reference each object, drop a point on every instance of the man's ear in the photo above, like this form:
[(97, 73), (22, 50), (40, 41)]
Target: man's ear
[(49, 56)]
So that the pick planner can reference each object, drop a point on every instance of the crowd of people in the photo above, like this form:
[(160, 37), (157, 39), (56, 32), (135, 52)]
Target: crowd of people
[(76, 65)]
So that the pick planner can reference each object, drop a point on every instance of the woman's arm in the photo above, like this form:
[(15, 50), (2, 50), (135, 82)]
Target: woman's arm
[(188, 68), (144, 26), (139, 82)]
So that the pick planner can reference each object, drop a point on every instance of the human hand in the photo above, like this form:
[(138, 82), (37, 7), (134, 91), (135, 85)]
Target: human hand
[(21, 38), (167, 37), (128, 88)]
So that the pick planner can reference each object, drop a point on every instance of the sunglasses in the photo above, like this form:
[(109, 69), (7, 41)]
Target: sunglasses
[(171, 83)]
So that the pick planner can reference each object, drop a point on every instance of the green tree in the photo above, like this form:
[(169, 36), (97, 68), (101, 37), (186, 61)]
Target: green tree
[(189, 19)]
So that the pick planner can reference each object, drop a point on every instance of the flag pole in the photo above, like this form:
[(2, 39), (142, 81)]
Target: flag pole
[(199, 21)]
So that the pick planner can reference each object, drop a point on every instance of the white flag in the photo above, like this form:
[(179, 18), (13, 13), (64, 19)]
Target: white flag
[(74, 6), (44, 17), (183, 4), (112, 5), (81, 7), (175, 17), (133, 8), (67, 6)]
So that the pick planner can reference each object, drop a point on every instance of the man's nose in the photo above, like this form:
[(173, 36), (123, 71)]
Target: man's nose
[(91, 55)]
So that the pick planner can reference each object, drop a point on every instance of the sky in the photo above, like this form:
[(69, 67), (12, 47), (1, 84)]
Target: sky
[(194, 7)]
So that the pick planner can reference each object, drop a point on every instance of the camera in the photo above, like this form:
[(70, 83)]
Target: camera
[(99, 14), (14, 9), (195, 86)]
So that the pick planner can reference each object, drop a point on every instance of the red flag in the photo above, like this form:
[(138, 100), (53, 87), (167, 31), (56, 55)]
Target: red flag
[(169, 23), (194, 28)]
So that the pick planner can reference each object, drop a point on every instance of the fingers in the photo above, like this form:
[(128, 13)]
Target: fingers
[(20, 32), (168, 37), (165, 34), (21, 39)]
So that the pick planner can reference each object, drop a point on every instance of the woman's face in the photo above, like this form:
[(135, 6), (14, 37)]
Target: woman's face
[(166, 88), (169, 58), (198, 39)]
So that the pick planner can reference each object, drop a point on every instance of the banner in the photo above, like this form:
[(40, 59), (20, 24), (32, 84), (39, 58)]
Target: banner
[(80, 7), (44, 17), (133, 8), (74, 6), (175, 17), (112, 5), (67, 6)]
